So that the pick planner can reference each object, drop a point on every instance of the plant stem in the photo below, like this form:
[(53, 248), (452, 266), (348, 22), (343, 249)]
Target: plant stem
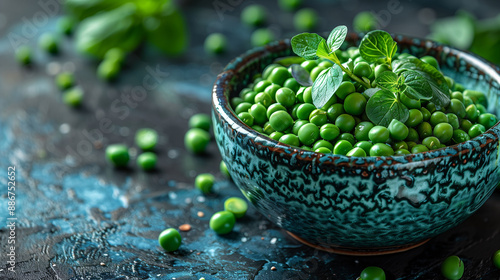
[(354, 77)]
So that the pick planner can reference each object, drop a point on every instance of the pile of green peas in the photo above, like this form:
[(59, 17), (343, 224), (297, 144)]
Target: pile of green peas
[(276, 105)]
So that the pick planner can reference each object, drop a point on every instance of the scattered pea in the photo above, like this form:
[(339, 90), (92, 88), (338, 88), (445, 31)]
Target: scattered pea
[(73, 97), (24, 55), (170, 239), (118, 155), (196, 140), (147, 161), (49, 42), (452, 268), (65, 80), (237, 206), (146, 138), (222, 222), (200, 120), (305, 19), (254, 15), (215, 43), (204, 182), (372, 273)]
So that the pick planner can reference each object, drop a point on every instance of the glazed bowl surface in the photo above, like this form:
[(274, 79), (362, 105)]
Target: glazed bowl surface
[(352, 204)]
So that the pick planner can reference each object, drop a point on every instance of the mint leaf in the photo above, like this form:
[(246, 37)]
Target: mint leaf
[(417, 86), (322, 50), (377, 45), (371, 91), (387, 80), (349, 65), (306, 44), (289, 60), (384, 106), (301, 75), (325, 85), (336, 38)]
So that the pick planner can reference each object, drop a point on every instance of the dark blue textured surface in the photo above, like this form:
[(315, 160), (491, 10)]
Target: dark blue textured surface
[(79, 218)]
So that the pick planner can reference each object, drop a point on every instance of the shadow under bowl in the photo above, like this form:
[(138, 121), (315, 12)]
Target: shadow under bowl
[(353, 205)]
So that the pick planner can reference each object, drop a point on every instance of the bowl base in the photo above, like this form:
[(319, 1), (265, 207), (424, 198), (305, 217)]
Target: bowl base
[(351, 251)]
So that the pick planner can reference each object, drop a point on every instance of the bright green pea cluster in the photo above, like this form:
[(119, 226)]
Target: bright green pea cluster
[(223, 222), (146, 139), (197, 137), (276, 105), (72, 96)]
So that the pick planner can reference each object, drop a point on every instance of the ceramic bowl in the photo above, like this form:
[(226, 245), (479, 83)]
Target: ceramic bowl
[(353, 205)]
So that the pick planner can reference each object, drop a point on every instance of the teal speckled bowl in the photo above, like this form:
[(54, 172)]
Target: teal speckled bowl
[(351, 205)]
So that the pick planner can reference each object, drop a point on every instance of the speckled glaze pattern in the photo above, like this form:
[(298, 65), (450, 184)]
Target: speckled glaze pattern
[(360, 204)]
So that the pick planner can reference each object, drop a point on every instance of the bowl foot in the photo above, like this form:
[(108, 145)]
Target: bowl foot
[(351, 251)]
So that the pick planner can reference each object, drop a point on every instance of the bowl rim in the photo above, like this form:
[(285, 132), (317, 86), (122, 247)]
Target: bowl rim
[(221, 105)]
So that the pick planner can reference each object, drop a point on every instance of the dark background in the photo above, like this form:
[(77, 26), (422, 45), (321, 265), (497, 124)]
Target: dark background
[(79, 218)]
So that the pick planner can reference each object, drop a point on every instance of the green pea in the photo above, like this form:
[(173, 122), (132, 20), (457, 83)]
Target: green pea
[(344, 90), (457, 107), (477, 97), (147, 161), (401, 152), (267, 128), (73, 97), (460, 136), (259, 113), (237, 206), (467, 101), (247, 118), (345, 122), (290, 139), (431, 107), (342, 147), (215, 43), (398, 130), (250, 97), (49, 42), (379, 134), (279, 75), (457, 95), (476, 130), (496, 259), (108, 70), (118, 155), (316, 72), (267, 71), (24, 55), (381, 150), (318, 117), (276, 135), (349, 137), (325, 63), (254, 15), (453, 120), (308, 95), (304, 110), (308, 134), (424, 130), (452, 268), (244, 91), (281, 121), (431, 60), (365, 145), (356, 152), (170, 239), (305, 19), (410, 102), (437, 118), (261, 86), (362, 69), (487, 120), (364, 22), (285, 97), (465, 125), (379, 69), (297, 125), (329, 132), (399, 145), (333, 100), (458, 87), (222, 222), (419, 148), (322, 143), (292, 84), (412, 135), (243, 107), (196, 140), (235, 101), (65, 25), (334, 111), (204, 182), (202, 121), (415, 118), (362, 129), (274, 108), (372, 273), (309, 64), (411, 144), (223, 169), (355, 104), (261, 37), (431, 142), (271, 90), (323, 150), (353, 52), (472, 112), (443, 131)]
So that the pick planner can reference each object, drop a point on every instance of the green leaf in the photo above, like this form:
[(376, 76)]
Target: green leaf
[(417, 86), (306, 44), (441, 99), (167, 30), (82, 9), (377, 45), (336, 38), (325, 85), (289, 60), (387, 80), (301, 75), (119, 28), (457, 31), (384, 106), (371, 91), (349, 65)]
